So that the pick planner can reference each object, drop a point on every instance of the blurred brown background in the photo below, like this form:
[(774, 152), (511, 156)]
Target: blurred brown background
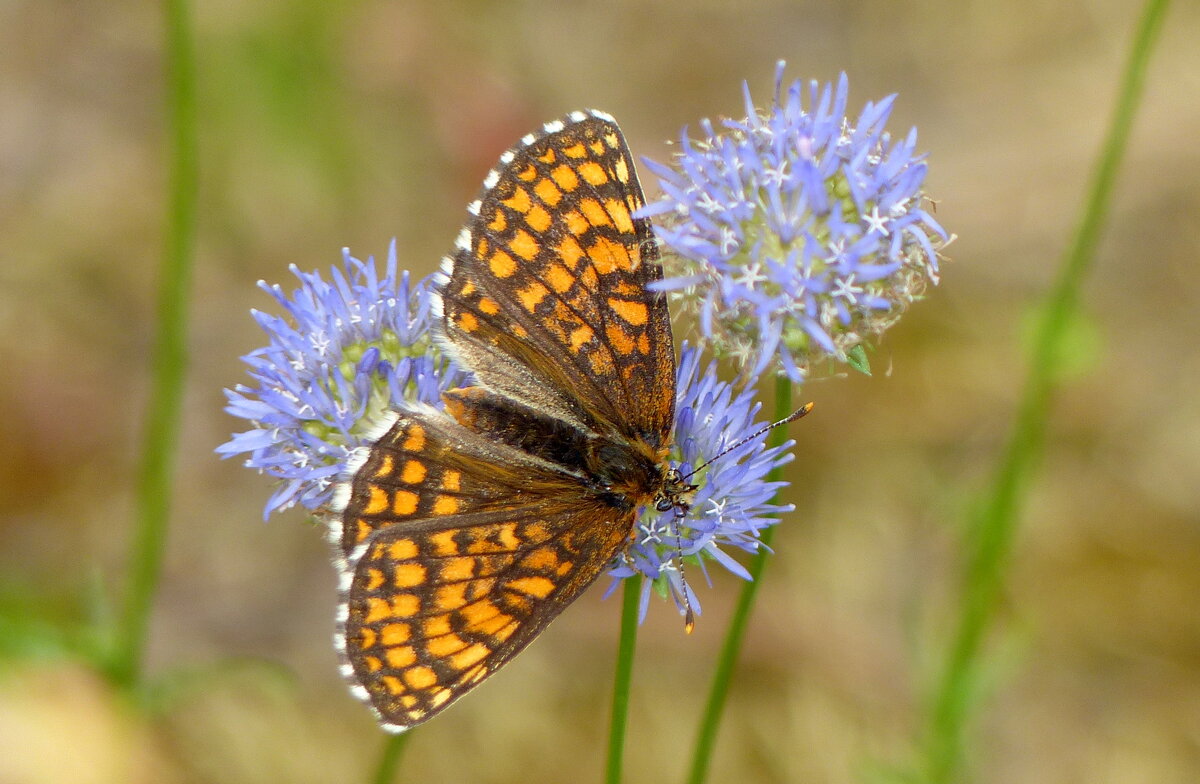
[(327, 125)]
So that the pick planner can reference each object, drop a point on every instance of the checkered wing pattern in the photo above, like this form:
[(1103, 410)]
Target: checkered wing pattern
[(466, 549), (462, 533), (546, 299)]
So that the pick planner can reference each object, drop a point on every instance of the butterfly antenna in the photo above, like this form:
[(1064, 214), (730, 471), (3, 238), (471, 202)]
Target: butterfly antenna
[(792, 417), (689, 617)]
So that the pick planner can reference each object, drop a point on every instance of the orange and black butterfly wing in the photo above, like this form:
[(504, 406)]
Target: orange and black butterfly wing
[(436, 606), (545, 298), (456, 548)]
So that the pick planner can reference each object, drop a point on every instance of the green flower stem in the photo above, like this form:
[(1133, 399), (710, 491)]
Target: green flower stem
[(389, 759), (169, 355), (630, 594), (730, 649), (993, 527)]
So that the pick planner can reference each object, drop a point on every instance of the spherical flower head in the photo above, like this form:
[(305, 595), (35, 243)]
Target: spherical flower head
[(796, 234), (732, 504), (353, 347)]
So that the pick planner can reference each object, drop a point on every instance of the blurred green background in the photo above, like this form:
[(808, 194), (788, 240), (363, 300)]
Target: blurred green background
[(331, 125)]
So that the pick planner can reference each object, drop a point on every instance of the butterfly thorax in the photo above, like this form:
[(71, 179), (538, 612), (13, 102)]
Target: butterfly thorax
[(629, 471), (637, 474)]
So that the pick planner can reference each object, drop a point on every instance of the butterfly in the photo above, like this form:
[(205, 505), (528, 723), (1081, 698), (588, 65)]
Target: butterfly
[(463, 532)]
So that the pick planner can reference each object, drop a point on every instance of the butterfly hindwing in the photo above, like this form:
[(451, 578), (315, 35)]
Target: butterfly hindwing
[(435, 606)]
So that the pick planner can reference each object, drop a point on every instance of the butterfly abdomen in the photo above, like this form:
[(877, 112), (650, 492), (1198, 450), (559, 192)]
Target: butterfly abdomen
[(520, 426)]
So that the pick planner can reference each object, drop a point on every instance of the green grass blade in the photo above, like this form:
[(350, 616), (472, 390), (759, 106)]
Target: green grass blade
[(389, 758), (993, 528), (169, 353), (631, 592)]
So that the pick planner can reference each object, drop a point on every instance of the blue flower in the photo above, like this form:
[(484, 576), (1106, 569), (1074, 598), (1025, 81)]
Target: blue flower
[(733, 501), (796, 235), (352, 348)]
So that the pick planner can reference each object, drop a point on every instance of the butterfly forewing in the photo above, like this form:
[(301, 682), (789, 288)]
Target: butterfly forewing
[(547, 299)]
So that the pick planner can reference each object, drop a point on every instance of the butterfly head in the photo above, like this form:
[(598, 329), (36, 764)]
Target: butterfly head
[(675, 493)]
